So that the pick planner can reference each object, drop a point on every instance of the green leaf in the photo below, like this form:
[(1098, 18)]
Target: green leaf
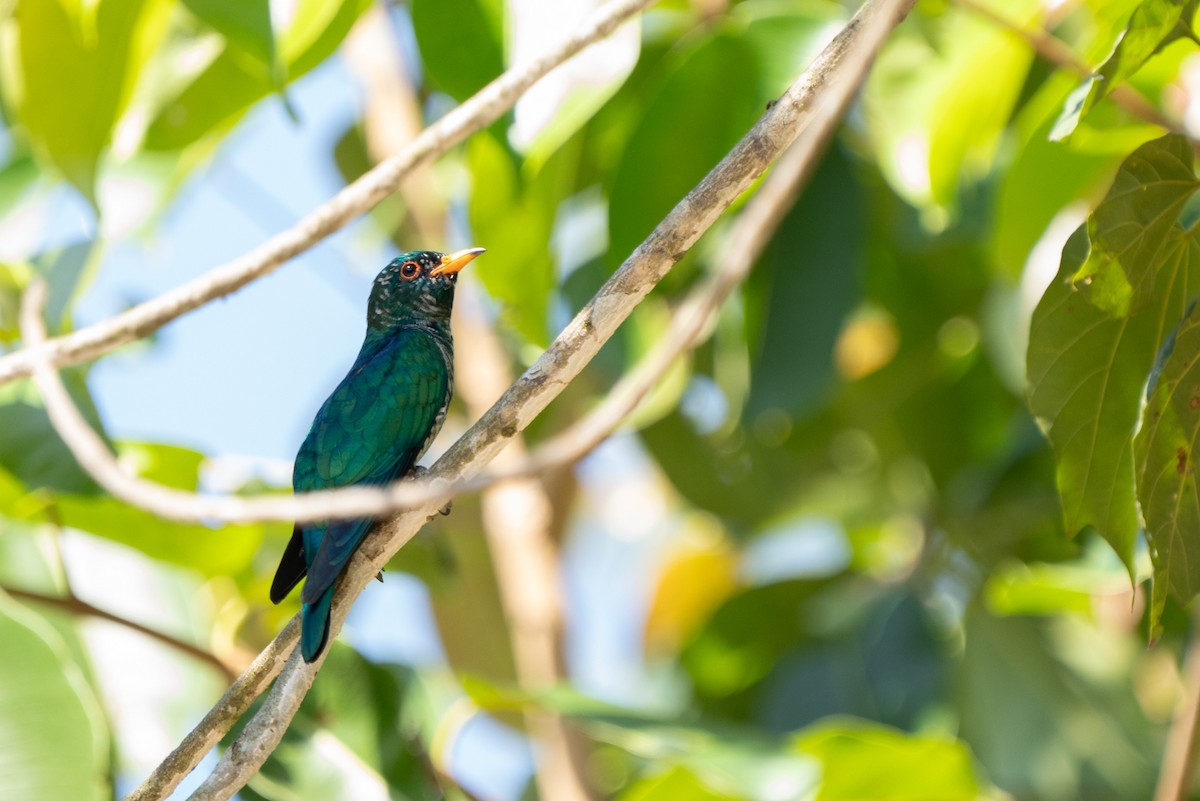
[(221, 551), (1153, 24), (52, 743), (245, 23), (1097, 329), (677, 784), (715, 90), (966, 124), (31, 449), (1129, 229), (1023, 682), (515, 217), (931, 127), (224, 91), (67, 271), (799, 295), (76, 74), (1029, 198), (1165, 449), (865, 760), (1018, 588), (461, 43)]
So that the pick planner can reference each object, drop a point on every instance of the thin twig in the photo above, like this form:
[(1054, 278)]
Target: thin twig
[(1058, 53), (77, 606), (848, 56), (484, 108)]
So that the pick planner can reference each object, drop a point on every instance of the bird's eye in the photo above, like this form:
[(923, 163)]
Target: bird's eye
[(409, 270)]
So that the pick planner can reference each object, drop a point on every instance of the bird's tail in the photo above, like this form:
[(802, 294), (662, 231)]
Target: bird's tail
[(314, 626)]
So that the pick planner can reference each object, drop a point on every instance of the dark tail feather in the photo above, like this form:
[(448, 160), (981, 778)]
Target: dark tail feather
[(314, 626), (291, 568)]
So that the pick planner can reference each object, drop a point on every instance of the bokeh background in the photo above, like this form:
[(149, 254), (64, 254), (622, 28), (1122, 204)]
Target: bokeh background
[(824, 559)]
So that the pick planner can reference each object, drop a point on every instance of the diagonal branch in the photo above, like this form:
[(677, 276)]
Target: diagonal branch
[(481, 110), (840, 68)]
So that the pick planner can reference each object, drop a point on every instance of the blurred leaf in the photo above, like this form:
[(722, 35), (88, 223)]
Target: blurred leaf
[(967, 123), (801, 292), (20, 173), (725, 477), (1045, 177), (515, 217), (68, 273), (747, 634), (14, 276), (932, 129), (246, 23), (461, 43), (786, 36), (677, 784), (222, 551), (225, 90), (694, 580), (863, 760), (1093, 338), (1017, 588), (714, 88), (1153, 24), (1017, 694), (51, 730), (786, 654), (31, 449), (77, 72)]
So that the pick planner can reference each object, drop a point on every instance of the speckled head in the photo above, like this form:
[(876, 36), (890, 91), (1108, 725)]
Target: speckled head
[(416, 287)]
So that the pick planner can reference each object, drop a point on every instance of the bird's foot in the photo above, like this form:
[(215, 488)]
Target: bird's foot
[(379, 576), (419, 472)]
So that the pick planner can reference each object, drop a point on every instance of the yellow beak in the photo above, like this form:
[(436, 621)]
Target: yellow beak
[(453, 262)]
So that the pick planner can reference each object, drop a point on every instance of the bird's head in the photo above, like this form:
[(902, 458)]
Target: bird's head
[(416, 287)]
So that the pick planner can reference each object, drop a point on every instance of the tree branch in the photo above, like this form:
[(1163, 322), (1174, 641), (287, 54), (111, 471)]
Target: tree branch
[(848, 56), (484, 108), (77, 606), (220, 719)]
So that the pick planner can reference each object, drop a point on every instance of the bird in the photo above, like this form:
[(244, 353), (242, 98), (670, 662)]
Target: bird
[(376, 424)]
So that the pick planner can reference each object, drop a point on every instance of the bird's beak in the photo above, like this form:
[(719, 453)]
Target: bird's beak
[(453, 262)]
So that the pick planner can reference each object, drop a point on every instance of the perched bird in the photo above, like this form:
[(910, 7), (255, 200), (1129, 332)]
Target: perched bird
[(376, 424)]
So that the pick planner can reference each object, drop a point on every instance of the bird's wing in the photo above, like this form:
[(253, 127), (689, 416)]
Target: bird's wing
[(371, 431)]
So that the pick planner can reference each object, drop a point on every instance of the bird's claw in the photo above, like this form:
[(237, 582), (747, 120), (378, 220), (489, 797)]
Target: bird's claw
[(419, 472), (379, 576)]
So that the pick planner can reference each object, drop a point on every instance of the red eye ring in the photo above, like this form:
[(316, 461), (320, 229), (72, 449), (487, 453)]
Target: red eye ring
[(409, 270)]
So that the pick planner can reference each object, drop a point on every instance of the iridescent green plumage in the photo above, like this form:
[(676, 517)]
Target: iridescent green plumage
[(376, 424)]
